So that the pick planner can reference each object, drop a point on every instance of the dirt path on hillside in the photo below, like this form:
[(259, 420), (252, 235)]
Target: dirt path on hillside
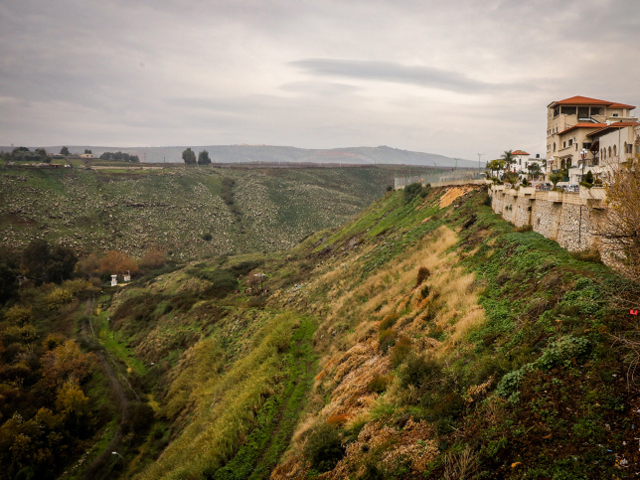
[(88, 335)]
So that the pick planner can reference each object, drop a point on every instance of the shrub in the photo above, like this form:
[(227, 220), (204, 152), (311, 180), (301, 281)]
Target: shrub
[(411, 191), (207, 237), (387, 339), (222, 282), (400, 350), (18, 315), (388, 321), (423, 274), (324, 449), (153, 258), (419, 371), (57, 298), (378, 383), (424, 292)]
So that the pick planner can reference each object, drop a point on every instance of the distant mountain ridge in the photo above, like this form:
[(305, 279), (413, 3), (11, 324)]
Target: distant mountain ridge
[(277, 154)]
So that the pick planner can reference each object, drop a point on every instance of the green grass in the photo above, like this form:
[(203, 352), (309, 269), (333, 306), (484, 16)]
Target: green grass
[(107, 338)]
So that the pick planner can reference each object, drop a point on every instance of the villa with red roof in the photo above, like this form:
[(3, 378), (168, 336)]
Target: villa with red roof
[(570, 122)]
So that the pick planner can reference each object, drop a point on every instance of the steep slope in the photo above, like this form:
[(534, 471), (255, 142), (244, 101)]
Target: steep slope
[(425, 339), (189, 212)]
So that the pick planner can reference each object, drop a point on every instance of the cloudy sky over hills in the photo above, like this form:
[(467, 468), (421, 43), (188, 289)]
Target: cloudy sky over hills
[(454, 77)]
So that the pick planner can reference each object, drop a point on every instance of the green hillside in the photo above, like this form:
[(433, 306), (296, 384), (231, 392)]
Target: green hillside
[(189, 212), (426, 338)]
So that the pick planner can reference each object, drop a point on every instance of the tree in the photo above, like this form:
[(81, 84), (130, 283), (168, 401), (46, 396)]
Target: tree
[(86, 150), (189, 157), (8, 283), (203, 158), (507, 156), (496, 166), (556, 177), (534, 169), (115, 262), (64, 151), (620, 229), (588, 180), (46, 264)]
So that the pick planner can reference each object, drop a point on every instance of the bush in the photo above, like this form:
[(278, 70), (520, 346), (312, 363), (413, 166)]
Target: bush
[(153, 259), (423, 274), (400, 350), (378, 383), (324, 449), (222, 282), (388, 321), (207, 237), (57, 298), (387, 339), (419, 371), (18, 315)]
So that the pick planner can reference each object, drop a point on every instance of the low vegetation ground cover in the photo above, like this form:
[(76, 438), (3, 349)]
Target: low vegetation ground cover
[(426, 339)]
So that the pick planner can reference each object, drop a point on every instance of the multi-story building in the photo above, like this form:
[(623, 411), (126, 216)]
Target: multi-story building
[(569, 123)]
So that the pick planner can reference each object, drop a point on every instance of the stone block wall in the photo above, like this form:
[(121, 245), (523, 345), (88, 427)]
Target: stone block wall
[(568, 220)]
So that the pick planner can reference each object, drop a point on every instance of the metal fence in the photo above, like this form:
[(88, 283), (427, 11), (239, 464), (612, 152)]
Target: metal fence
[(437, 177)]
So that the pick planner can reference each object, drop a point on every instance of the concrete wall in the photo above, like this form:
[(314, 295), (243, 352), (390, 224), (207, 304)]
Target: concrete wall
[(571, 219)]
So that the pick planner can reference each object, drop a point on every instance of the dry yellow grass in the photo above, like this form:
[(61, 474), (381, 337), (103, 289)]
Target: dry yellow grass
[(452, 193)]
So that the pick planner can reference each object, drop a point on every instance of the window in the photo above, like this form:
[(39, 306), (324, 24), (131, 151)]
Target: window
[(596, 110), (615, 150), (609, 152), (554, 146), (615, 114), (564, 144), (556, 111), (568, 110), (586, 145), (570, 141), (576, 147), (583, 112)]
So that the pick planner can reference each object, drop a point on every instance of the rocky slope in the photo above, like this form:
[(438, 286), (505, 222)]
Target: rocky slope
[(179, 209)]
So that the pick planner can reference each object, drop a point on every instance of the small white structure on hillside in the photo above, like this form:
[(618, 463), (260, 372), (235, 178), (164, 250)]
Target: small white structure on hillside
[(114, 280), (127, 276)]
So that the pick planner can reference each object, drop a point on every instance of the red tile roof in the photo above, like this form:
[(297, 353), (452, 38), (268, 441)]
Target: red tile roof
[(621, 105), (584, 125), (520, 152), (580, 100), (612, 126)]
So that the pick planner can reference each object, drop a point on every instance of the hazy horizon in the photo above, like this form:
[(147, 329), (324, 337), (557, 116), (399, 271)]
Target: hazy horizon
[(458, 78)]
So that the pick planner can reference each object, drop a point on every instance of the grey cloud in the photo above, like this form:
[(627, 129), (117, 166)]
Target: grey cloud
[(395, 72)]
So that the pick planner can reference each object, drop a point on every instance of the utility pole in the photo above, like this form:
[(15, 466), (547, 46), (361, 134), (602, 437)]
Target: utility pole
[(479, 157)]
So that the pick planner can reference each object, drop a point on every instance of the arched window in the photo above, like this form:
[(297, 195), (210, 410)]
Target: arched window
[(554, 146), (609, 152), (602, 155), (615, 150), (626, 147)]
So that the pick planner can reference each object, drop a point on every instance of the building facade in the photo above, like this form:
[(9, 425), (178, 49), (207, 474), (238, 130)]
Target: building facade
[(569, 123)]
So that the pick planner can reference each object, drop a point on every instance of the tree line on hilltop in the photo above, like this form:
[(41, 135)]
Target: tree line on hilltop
[(189, 157)]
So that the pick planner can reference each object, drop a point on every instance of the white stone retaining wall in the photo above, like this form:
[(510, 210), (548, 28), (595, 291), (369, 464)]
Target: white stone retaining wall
[(568, 218)]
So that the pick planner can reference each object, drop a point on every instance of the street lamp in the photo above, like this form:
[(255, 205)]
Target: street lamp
[(479, 157), (583, 154), (121, 458)]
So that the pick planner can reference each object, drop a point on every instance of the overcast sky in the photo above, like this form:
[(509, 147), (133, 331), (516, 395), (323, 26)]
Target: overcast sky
[(453, 77)]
